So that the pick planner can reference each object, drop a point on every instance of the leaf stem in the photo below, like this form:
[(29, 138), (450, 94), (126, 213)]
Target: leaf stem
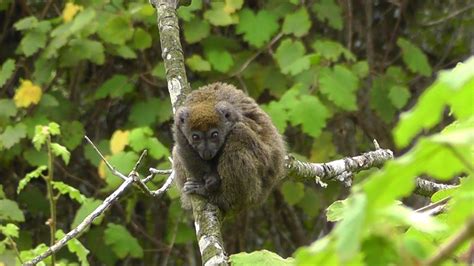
[(51, 198)]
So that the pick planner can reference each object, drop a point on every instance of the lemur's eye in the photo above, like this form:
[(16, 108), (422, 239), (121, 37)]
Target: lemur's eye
[(215, 134), (196, 137)]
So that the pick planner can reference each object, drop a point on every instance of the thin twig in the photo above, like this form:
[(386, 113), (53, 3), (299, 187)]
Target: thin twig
[(447, 249), (15, 248), (448, 17), (434, 208), (254, 56), (111, 168)]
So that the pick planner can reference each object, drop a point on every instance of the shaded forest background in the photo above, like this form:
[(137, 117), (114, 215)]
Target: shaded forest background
[(333, 75)]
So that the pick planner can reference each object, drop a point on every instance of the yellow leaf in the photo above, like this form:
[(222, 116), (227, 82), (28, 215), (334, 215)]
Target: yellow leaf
[(232, 5), (27, 94), (70, 10), (118, 141), (101, 170)]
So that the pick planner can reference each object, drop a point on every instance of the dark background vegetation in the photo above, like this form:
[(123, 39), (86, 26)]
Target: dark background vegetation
[(334, 75)]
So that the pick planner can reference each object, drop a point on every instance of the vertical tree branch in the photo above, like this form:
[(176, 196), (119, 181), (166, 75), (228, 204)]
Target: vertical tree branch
[(207, 217)]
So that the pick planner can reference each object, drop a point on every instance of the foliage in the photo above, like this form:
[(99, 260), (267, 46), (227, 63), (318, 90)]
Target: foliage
[(75, 68), (373, 209)]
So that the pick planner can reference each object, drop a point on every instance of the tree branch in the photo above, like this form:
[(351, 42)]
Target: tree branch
[(340, 170), (428, 188), (128, 180), (207, 217)]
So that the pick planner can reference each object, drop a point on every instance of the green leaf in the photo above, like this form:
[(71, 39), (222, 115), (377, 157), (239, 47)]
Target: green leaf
[(48, 100), (310, 203), (7, 108), (9, 211), (53, 128), (82, 49), (35, 157), (6, 71), (142, 138), (221, 60), (76, 247), (293, 192), (60, 150), (159, 71), (10, 230), (305, 110), (261, 257), (335, 211), (328, 10), (197, 63), (425, 114), (26, 23), (278, 114), (257, 36), (72, 134), (44, 70), (150, 111), (41, 133), (65, 189), (218, 16), (233, 5), (32, 42), (431, 104), (126, 52), (416, 220), (414, 58), (141, 39), (332, 50), (461, 204), (348, 232), (124, 162), (84, 19), (290, 57), (187, 12), (28, 177), (91, 155), (196, 30), (340, 86), (379, 100), (399, 96), (87, 207), (380, 250), (115, 87), (122, 242), (12, 135), (361, 69), (297, 23), (116, 30), (27, 255)]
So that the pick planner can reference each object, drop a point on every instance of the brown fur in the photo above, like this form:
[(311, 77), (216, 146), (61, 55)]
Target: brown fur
[(251, 160)]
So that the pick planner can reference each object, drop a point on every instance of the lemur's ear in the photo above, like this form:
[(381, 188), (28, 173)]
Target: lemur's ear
[(182, 115), (227, 111)]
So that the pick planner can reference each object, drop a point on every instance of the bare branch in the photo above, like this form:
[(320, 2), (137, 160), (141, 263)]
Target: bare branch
[(84, 224), (111, 168), (132, 178), (207, 217), (340, 170), (428, 188)]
